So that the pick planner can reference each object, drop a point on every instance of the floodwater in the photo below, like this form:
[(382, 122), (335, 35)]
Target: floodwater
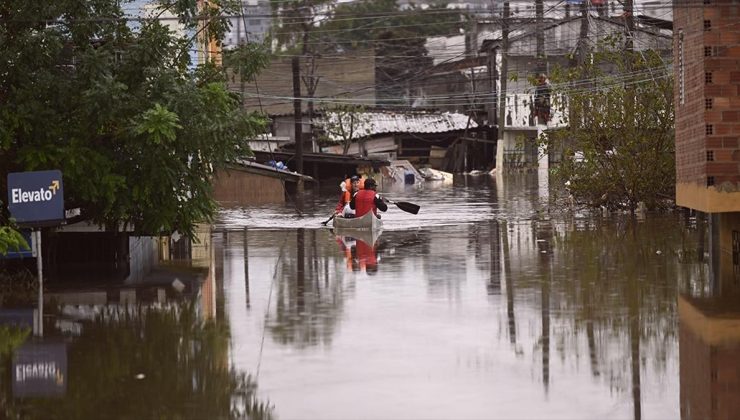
[(495, 301)]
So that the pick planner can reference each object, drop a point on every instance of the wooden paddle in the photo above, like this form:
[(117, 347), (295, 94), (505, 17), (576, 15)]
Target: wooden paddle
[(405, 206), (329, 219)]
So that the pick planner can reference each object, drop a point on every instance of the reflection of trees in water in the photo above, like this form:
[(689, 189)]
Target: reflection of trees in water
[(612, 286), (11, 337), (309, 292), (184, 362)]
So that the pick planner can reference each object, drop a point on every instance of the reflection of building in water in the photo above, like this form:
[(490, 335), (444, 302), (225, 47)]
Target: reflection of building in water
[(179, 276), (309, 290), (709, 321), (445, 263)]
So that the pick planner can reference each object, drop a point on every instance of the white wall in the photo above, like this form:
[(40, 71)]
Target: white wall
[(143, 256)]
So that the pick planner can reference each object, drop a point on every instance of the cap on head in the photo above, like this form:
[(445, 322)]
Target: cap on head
[(354, 178), (369, 183)]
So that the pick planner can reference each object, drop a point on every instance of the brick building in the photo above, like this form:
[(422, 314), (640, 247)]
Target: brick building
[(707, 98)]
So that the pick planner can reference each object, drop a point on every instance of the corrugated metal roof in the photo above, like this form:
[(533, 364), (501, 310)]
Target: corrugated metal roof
[(365, 124)]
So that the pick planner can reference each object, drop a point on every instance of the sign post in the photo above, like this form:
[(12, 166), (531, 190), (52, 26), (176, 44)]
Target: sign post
[(40, 269), (36, 199)]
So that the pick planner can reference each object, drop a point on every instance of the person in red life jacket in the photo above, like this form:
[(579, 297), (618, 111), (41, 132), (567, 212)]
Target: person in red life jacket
[(349, 187), (367, 200)]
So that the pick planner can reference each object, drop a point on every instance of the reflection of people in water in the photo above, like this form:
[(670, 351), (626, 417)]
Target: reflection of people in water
[(367, 257), (359, 255)]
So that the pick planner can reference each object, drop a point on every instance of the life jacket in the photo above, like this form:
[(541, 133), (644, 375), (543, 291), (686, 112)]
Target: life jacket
[(365, 202), (347, 195)]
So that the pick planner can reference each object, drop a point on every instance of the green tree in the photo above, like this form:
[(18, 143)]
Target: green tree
[(137, 131), (618, 139)]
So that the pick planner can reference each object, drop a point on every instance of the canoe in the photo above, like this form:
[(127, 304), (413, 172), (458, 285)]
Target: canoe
[(366, 222)]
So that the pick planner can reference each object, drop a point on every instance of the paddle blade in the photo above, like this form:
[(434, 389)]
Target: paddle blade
[(407, 207)]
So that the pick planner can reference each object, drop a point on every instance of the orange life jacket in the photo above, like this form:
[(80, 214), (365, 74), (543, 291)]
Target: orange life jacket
[(347, 195)]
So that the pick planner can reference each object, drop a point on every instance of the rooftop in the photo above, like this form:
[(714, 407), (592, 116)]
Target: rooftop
[(366, 124)]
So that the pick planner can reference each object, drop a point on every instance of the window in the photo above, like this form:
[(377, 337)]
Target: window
[(707, 1), (707, 51), (709, 129), (710, 155), (708, 103), (707, 25), (255, 22), (710, 181), (708, 77)]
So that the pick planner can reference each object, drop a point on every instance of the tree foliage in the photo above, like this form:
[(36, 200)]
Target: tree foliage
[(618, 140), (136, 129)]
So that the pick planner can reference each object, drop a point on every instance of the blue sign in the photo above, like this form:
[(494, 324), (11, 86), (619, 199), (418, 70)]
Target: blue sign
[(35, 197), (40, 370)]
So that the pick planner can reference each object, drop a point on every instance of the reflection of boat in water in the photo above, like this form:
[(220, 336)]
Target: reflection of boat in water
[(368, 236), (367, 222), (359, 248)]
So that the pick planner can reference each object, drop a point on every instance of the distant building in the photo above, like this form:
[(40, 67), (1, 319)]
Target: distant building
[(351, 76), (562, 41), (252, 25), (426, 138)]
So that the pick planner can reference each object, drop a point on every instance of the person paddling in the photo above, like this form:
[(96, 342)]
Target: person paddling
[(367, 200), (349, 187)]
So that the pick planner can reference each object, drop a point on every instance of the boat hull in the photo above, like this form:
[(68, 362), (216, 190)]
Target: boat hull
[(367, 222)]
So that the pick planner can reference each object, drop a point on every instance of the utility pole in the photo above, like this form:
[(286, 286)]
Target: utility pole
[(630, 23), (539, 11), (583, 36), (502, 91), (296, 65)]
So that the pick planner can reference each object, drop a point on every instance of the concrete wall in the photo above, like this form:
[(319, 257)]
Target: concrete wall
[(235, 188), (143, 256), (707, 80)]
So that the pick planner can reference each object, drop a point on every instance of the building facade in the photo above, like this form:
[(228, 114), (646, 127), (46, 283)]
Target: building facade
[(707, 105)]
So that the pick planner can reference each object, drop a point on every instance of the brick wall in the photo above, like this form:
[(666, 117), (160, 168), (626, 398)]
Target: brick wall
[(688, 60), (707, 79)]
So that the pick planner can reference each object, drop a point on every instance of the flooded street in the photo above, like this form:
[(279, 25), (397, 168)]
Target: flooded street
[(516, 316), (489, 303)]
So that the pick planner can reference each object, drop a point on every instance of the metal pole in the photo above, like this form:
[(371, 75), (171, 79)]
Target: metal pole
[(502, 92), (40, 268)]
